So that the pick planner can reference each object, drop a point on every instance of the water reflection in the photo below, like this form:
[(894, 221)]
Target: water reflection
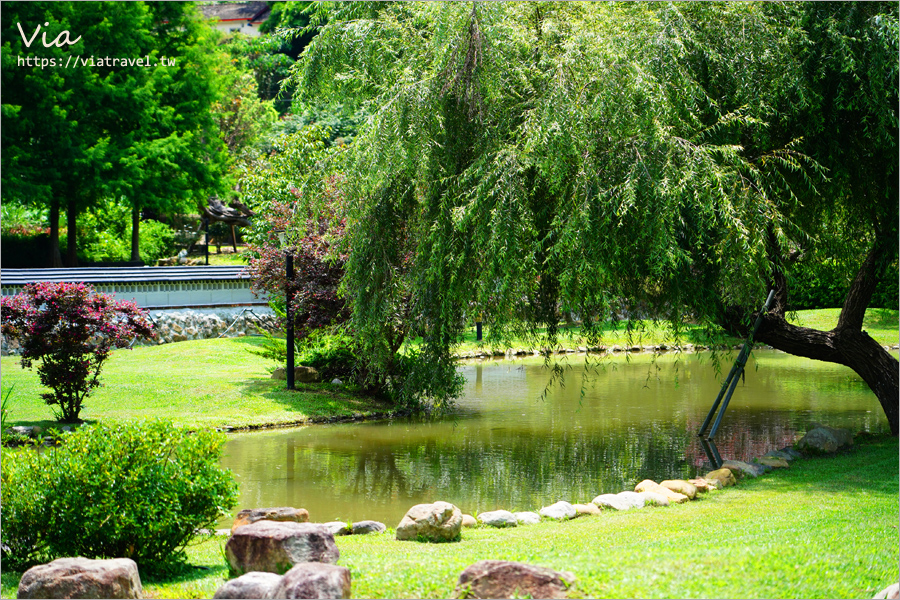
[(506, 448)]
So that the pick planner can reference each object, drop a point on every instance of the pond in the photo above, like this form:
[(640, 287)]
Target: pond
[(506, 446)]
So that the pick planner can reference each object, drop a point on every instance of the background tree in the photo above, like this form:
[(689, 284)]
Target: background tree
[(73, 133), (542, 155)]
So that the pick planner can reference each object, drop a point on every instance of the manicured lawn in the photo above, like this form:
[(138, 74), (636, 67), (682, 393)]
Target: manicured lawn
[(881, 324), (825, 528), (203, 383)]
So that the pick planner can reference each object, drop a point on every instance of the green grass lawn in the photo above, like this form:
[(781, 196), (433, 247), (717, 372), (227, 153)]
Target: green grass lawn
[(825, 528), (881, 324), (203, 383)]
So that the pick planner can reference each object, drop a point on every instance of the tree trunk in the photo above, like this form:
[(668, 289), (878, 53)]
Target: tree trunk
[(135, 234), (55, 258), (71, 235), (847, 344)]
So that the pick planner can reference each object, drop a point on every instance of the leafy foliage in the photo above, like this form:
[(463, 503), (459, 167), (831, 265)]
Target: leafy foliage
[(71, 330), (525, 159), (135, 491)]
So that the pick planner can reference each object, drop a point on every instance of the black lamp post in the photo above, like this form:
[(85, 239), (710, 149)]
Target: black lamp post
[(288, 294)]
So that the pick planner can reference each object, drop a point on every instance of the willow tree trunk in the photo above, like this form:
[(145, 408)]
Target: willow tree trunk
[(847, 344)]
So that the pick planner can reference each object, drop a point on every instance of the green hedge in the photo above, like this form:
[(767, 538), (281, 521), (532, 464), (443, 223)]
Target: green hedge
[(133, 491), (825, 285)]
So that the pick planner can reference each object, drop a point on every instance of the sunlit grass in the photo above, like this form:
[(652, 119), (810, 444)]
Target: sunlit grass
[(825, 528), (202, 383)]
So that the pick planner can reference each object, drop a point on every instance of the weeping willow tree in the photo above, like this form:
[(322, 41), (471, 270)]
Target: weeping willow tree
[(523, 159)]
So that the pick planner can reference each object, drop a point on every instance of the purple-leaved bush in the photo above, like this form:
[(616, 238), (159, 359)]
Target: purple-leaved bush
[(71, 330)]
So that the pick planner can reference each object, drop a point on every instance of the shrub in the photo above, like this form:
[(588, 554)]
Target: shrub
[(72, 330), (157, 240), (134, 491)]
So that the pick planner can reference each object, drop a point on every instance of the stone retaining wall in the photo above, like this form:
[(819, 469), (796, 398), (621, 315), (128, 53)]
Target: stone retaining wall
[(196, 324)]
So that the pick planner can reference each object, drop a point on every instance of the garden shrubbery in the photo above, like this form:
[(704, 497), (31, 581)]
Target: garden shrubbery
[(134, 491)]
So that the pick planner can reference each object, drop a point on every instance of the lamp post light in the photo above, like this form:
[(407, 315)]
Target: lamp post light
[(288, 294)]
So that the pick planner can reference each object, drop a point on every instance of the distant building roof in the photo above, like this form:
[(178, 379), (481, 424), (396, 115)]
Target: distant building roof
[(254, 12)]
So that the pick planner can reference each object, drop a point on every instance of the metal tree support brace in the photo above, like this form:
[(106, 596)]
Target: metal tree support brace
[(736, 370)]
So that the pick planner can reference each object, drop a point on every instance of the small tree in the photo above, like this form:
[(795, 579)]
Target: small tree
[(72, 330)]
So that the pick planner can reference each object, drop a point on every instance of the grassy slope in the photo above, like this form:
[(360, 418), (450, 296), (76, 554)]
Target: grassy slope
[(881, 324), (204, 383), (825, 528)]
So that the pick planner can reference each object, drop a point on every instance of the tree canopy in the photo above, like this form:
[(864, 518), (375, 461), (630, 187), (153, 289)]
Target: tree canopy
[(521, 159), (79, 127)]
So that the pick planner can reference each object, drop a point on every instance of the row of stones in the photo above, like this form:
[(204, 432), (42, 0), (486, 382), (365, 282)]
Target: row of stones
[(194, 325)]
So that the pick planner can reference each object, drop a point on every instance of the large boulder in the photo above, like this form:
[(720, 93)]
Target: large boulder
[(891, 592), (498, 518), (277, 546), (701, 484), (631, 499), (825, 440), (611, 501), (314, 580), (255, 584), (680, 486), (339, 527), (301, 374), (561, 510), (744, 468), (82, 578), (585, 510), (653, 499), (438, 522), (278, 513), (723, 477), (648, 485), (773, 461), (364, 527), (505, 579), (527, 518)]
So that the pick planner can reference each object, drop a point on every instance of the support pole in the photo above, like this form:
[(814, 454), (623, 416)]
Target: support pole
[(289, 264), (735, 374)]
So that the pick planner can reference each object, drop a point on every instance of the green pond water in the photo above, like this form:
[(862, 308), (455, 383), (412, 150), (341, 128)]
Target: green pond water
[(506, 447)]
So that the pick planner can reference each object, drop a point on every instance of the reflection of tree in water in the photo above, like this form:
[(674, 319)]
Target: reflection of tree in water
[(378, 477)]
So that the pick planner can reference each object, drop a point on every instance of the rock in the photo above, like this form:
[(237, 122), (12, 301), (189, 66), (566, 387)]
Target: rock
[(314, 580), (651, 486), (701, 484), (365, 527), (527, 518), (278, 513), (610, 501), (22, 430), (336, 381), (306, 375), (301, 374), (891, 592), (469, 521), (823, 439), (680, 486), (653, 499), (743, 468), (277, 546), (583, 510), (505, 579), (781, 454), (724, 477), (498, 518), (82, 578), (255, 584), (790, 452), (438, 522), (338, 528), (631, 499), (771, 461), (560, 510)]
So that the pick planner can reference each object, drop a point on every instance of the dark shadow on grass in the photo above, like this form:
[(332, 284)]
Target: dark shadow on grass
[(313, 399)]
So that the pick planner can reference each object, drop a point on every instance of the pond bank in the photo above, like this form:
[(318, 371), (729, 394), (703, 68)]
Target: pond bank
[(780, 536)]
